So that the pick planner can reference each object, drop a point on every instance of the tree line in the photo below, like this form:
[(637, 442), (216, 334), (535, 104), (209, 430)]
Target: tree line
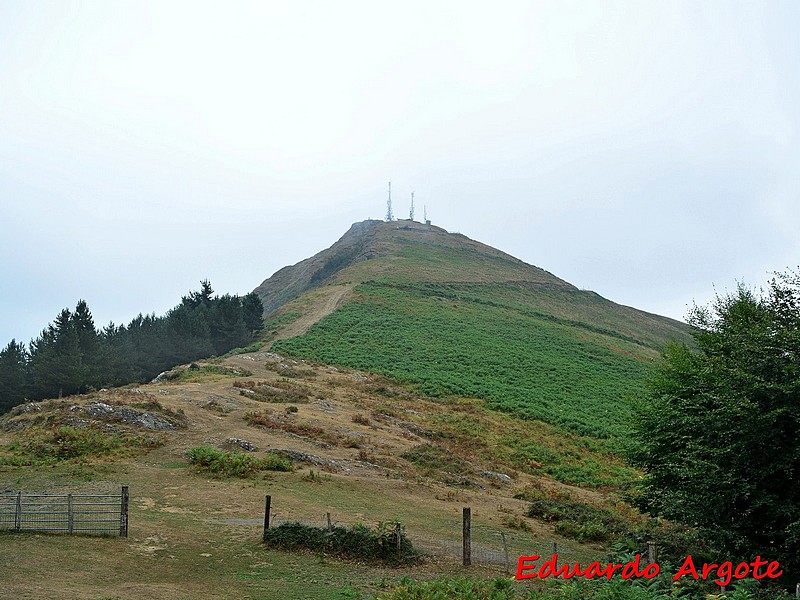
[(72, 356)]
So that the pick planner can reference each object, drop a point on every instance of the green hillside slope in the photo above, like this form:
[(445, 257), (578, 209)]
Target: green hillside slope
[(455, 317)]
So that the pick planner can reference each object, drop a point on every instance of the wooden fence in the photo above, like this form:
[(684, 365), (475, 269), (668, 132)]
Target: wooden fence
[(92, 514)]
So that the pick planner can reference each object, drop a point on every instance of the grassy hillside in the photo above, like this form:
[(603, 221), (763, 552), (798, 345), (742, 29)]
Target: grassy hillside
[(535, 365), (363, 448), (454, 317)]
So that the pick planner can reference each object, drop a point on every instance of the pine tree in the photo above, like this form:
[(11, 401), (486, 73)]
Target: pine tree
[(56, 359), (252, 312), (13, 375), (227, 324), (88, 344)]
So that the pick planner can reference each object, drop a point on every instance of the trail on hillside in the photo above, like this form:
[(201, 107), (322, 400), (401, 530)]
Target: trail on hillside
[(326, 301)]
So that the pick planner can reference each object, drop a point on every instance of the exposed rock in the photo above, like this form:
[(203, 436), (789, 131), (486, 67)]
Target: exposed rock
[(15, 425), (29, 407), (143, 419), (497, 476), (312, 459), (243, 444), (127, 415), (99, 409)]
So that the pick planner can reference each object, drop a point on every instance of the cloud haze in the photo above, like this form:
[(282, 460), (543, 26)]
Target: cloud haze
[(647, 151)]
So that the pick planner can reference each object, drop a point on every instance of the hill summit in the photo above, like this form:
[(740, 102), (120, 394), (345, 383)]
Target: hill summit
[(452, 316), (386, 243)]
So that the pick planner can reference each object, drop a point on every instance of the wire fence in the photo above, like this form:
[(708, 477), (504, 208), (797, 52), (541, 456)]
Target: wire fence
[(489, 546), (89, 514)]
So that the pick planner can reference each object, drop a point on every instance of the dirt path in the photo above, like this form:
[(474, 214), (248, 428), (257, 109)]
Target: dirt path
[(324, 302)]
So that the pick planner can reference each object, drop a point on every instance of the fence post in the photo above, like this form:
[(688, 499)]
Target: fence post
[(267, 503), (651, 552), (18, 512), (123, 513), (555, 548), (330, 525), (505, 549), (399, 553), (70, 514), (467, 548)]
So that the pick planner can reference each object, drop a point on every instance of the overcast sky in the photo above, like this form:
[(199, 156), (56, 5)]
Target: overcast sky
[(645, 150)]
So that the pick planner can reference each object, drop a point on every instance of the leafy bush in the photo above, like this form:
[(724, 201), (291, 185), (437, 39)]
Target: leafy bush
[(455, 588), (358, 542), (578, 520), (500, 588), (234, 464)]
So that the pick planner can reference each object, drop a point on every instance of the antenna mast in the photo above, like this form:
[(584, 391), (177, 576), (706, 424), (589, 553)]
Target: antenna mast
[(389, 214), (411, 212)]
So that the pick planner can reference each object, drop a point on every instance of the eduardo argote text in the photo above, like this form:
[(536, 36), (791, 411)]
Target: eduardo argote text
[(530, 567)]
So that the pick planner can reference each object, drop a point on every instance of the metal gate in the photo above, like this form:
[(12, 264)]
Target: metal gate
[(93, 514)]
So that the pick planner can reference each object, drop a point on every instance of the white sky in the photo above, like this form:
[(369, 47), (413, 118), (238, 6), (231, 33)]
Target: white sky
[(645, 150)]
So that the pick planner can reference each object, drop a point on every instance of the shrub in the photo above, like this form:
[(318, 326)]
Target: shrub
[(357, 542), (455, 588), (234, 464)]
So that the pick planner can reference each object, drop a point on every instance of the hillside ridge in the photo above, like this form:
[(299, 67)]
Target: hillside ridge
[(373, 239)]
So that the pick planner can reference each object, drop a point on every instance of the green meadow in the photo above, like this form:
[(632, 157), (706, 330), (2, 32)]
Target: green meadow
[(491, 341)]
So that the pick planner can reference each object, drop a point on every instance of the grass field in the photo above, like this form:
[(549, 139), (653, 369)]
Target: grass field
[(196, 533), (485, 342)]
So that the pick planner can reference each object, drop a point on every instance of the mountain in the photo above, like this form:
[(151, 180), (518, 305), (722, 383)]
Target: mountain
[(454, 317)]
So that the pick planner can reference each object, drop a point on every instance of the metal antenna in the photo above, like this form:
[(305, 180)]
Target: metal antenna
[(425, 212), (389, 214), (411, 212)]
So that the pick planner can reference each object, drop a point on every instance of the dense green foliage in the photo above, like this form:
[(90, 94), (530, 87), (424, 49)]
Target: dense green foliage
[(235, 464), (481, 341), (500, 588), (719, 433), (72, 356), (357, 542)]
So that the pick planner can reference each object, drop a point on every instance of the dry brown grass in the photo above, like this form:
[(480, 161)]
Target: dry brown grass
[(181, 545)]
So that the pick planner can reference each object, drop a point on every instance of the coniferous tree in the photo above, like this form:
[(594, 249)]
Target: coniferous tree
[(228, 328), (88, 344), (13, 375), (188, 334), (71, 356), (252, 312), (55, 359)]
